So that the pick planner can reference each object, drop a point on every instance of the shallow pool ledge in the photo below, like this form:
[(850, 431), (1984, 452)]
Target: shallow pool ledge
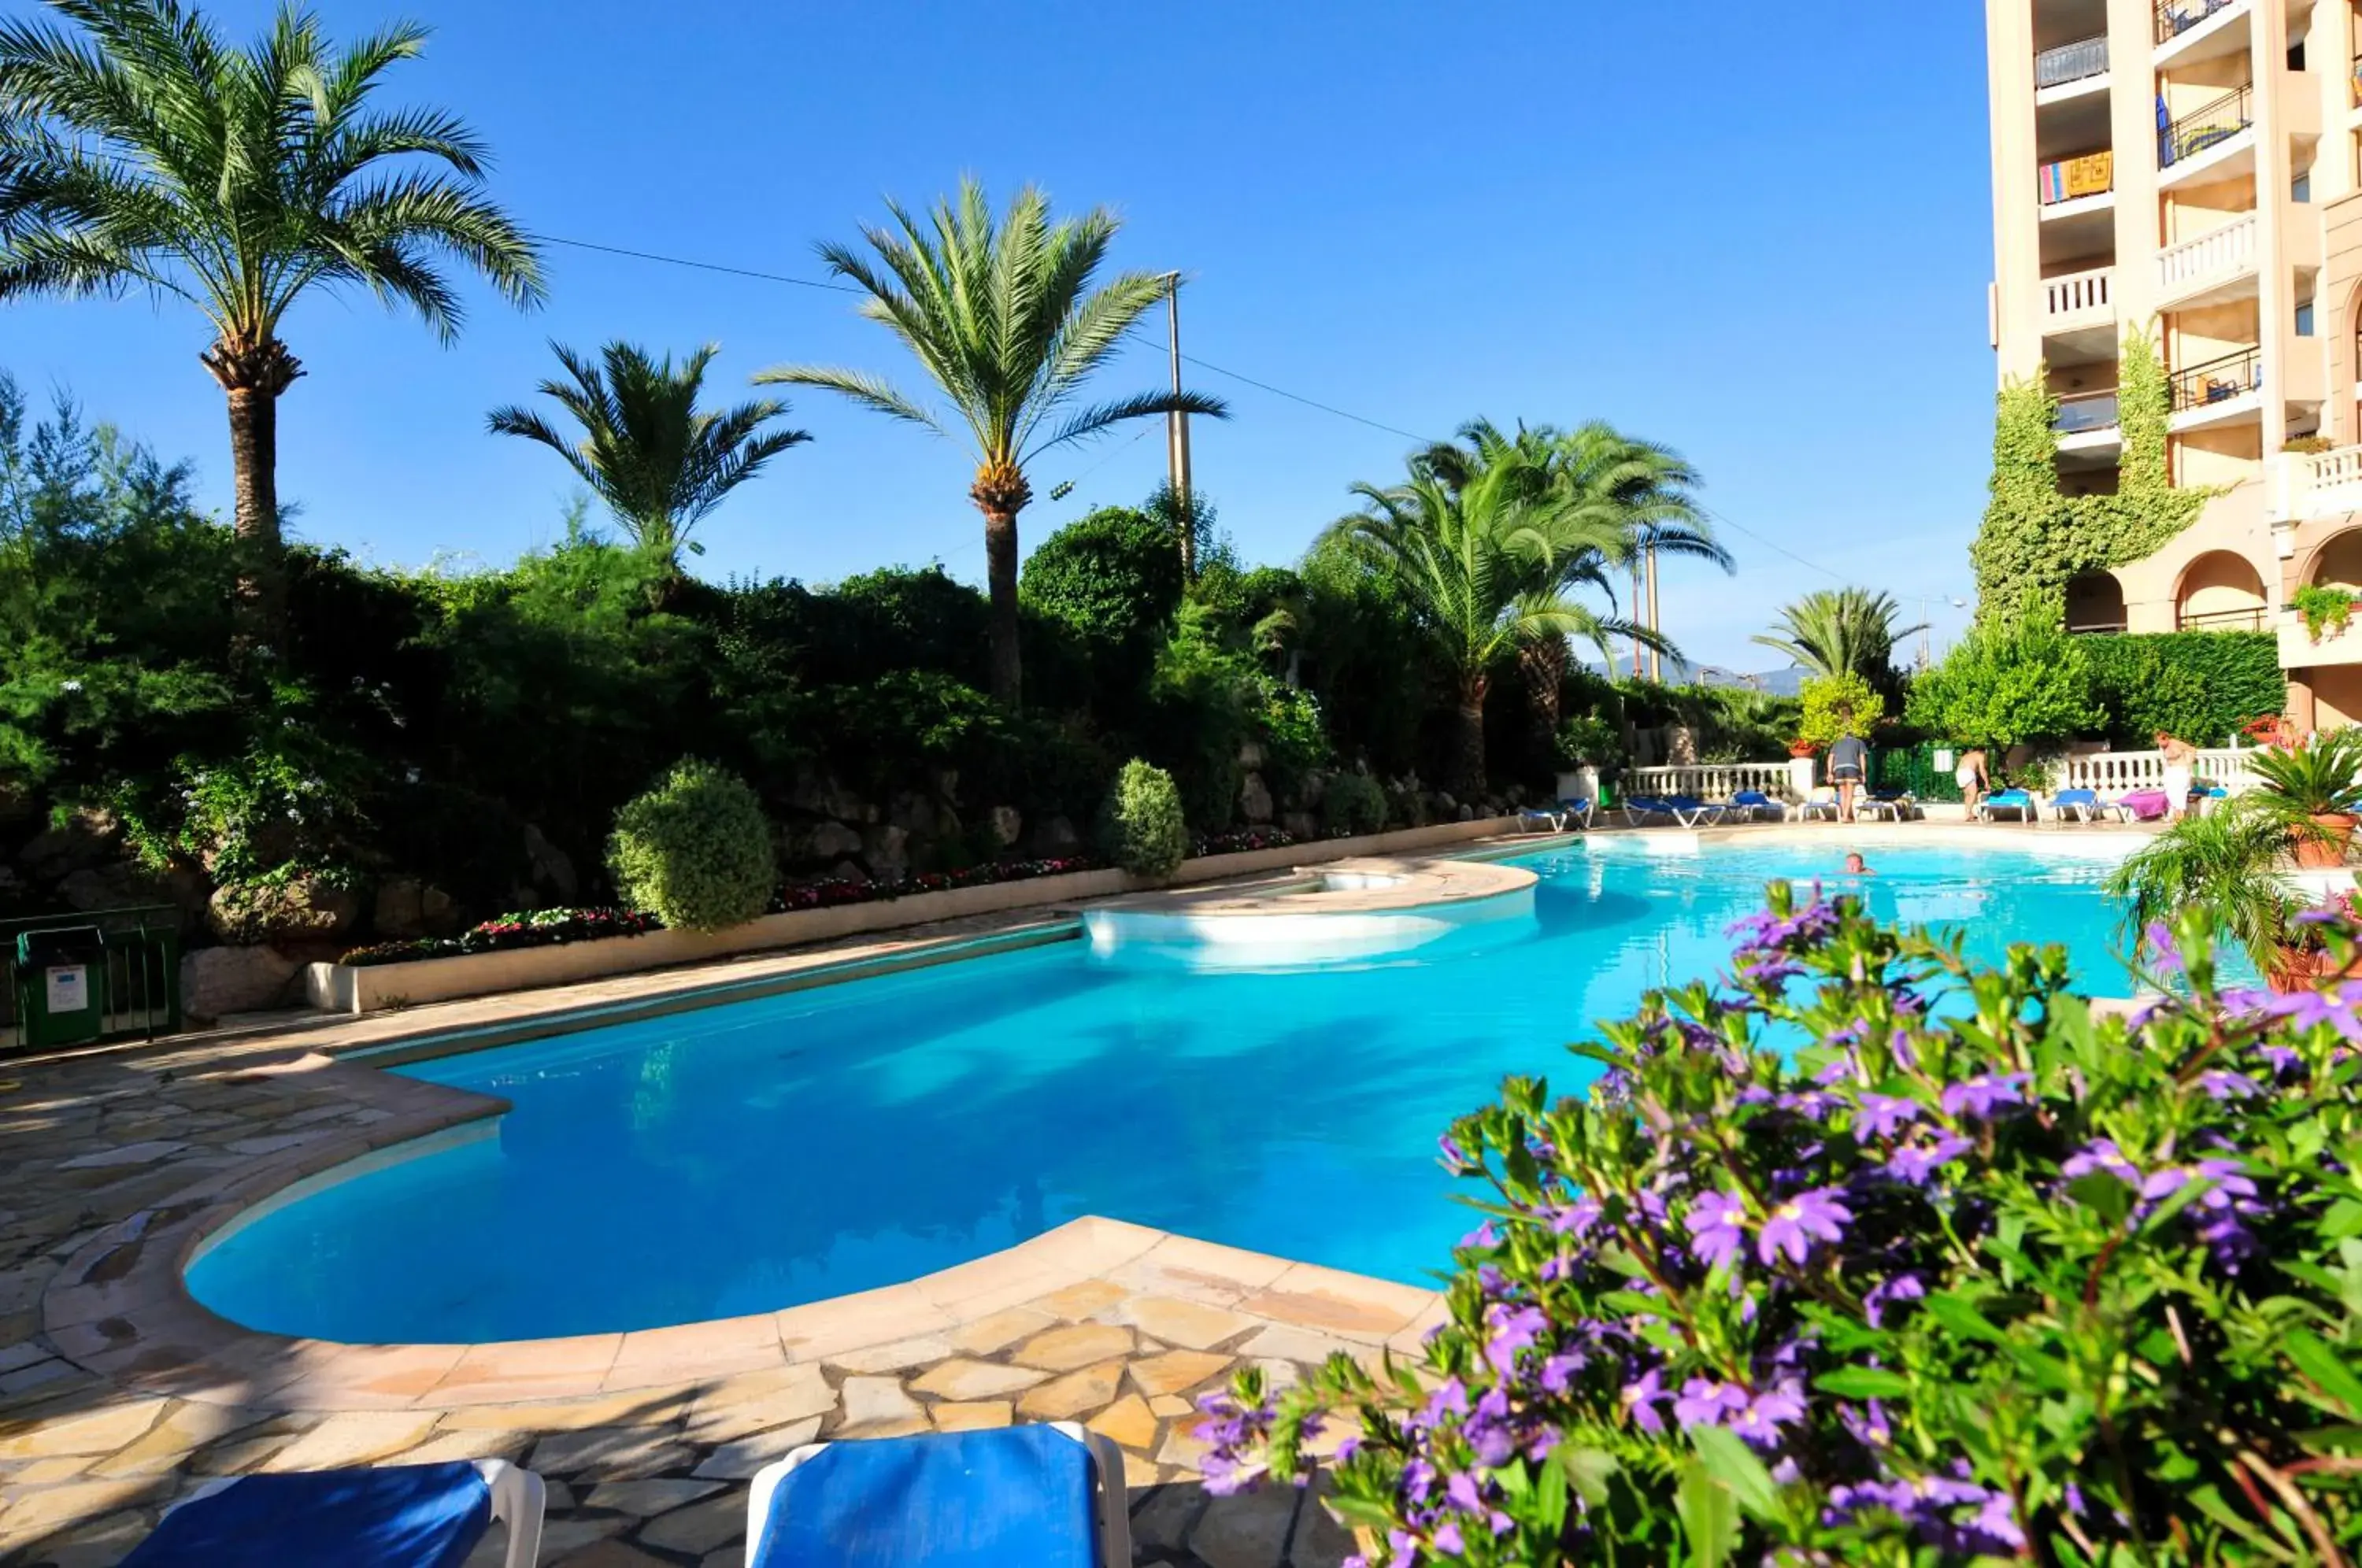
[(121, 1309)]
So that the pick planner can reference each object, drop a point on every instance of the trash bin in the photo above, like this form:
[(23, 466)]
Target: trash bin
[(61, 986)]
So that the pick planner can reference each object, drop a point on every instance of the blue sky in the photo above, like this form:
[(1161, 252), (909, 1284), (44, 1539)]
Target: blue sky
[(1760, 234)]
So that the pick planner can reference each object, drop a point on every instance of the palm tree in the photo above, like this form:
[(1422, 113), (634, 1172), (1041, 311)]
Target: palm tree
[(143, 150), (1632, 496), (1003, 317), (647, 451), (2226, 863), (1842, 631), (1486, 566)]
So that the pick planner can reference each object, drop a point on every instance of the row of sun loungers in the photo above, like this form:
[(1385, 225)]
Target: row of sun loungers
[(1047, 1496), (1689, 812)]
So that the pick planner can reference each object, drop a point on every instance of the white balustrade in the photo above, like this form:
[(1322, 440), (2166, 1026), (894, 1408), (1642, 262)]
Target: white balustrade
[(2321, 483), (2077, 293), (1708, 780), (2224, 252), (2111, 773)]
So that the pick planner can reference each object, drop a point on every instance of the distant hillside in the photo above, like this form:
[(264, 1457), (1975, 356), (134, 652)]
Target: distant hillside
[(1778, 682)]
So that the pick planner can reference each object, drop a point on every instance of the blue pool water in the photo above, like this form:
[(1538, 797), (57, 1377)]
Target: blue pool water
[(754, 1156)]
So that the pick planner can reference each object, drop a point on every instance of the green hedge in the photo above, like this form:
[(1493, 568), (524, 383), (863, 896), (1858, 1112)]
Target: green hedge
[(2199, 685)]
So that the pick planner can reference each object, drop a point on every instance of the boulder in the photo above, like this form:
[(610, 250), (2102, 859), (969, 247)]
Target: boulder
[(1254, 800), (301, 909), (831, 841), (1311, 790), (553, 871), (1250, 755), (122, 885), (1055, 836), (1301, 824), (887, 849), (1007, 826), (913, 812), (218, 981), (84, 841), (408, 907)]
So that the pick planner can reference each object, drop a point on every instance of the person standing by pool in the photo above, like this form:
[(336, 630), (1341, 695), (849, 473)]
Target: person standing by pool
[(2180, 773), (1972, 780), (1848, 759)]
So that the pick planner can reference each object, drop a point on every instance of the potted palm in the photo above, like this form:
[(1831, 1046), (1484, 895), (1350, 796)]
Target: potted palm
[(2225, 863), (2313, 790)]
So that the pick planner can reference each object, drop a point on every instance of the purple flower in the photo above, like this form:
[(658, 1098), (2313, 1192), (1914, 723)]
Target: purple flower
[(1642, 1397), (1984, 1094), (1447, 1540), (1513, 1329), (1795, 1222), (2308, 1008), (1558, 1371), (1706, 1403), (1883, 1114), (1763, 1417), (1483, 1237), (1716, 1222), (2161, 942), (2102, 1155), (1914, 1162), (1577, 1218), (1868, 1425), (1464, 1494), (1886, 1293), (2221, 1085)]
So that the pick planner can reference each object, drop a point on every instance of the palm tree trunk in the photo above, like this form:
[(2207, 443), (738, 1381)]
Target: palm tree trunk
[(1542, 663), (1001, 572), (1468, 743), (252, 375)]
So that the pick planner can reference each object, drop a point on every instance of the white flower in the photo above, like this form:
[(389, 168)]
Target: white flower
[(69, 686)]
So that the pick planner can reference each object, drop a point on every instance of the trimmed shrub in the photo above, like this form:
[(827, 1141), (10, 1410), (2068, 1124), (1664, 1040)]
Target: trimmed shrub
[(1140, 828), (695, 850), (1838, 705), (1873, 1254), (1352, 804), (2199, 685)]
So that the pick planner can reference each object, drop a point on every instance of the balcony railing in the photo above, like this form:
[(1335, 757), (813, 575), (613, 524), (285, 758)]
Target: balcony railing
[(2175, 17), (2077, 293), (2218, 380), (2247, 618), (2092, 174), (2086, 411), (2071, 63), (2194, 132), (2224, 252)]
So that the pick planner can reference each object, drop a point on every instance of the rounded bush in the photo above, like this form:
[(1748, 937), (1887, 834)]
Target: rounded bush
[(695, 850), (1141, 828), (1352, 804)]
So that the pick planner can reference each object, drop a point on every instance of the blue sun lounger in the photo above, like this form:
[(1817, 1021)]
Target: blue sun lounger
[(2016, 800), (1556, 818), (398, 1516), (1755, 803), (1030, 1497), (2081, 805)]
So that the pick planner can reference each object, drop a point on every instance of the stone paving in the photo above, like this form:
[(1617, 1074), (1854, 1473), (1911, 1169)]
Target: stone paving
[(118, 1394)]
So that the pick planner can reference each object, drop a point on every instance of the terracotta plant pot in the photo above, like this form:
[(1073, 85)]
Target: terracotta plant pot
[(2326, 851), (2301, 969), (1802, 748)]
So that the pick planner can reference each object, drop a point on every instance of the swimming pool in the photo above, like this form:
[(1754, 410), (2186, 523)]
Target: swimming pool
[(757, 1155)]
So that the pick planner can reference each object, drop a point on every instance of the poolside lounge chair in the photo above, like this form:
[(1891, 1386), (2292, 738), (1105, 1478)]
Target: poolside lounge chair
[(1689, 810), (1555, 819), (2080, 805), (1579, 812), (1754, 803), (1636, 807), (1042, 1497), (2144, 805), (398, 1516), (1821, 802), (1900, 805), (2016, 800)]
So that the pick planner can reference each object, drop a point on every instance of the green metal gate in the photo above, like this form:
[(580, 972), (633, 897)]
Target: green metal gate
[(1913, 768)]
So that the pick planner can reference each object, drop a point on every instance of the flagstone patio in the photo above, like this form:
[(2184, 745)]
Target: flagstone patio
[(117, 1394)]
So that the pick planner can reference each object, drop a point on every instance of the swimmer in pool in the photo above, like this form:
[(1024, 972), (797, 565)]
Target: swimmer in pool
[(1854, 867)]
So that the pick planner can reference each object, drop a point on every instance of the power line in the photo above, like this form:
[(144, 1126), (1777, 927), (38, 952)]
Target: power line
[(1140, 338)]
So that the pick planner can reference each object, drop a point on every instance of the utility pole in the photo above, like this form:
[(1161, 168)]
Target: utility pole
[(1177, 434), (1656, 659), (1640, 622)]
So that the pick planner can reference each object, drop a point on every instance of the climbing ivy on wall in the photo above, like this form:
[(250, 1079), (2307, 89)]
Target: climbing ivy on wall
[(2034, 538)]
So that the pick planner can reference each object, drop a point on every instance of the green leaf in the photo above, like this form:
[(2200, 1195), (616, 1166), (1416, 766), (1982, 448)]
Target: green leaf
[(2343, 1219), (1864, 1383), (2103, 1194), (1709, 1518), (2321, 1362), (1959, 1314), (1368, 1512), (1590, 1469), (1730, 1462)]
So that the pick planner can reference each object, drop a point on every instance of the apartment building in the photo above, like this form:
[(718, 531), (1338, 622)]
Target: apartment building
[(2193, 168)]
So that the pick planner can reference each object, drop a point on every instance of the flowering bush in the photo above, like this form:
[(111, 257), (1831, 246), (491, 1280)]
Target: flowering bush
[(1240, 841), (1873, 1254)]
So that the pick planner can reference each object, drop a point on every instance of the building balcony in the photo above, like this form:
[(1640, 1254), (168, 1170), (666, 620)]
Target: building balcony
[(2077, 302), (2070, 69), (2319, 484), (2199, 30), (2072, 185), (2086, 422), (2300, 650), (2221, 390), (2215, 266), (2215, 141)]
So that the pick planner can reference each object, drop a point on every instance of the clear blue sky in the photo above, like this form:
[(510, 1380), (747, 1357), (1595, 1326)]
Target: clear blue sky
[(1758, 233)]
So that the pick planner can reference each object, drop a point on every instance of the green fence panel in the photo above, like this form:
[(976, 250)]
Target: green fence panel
[(1913, 768)]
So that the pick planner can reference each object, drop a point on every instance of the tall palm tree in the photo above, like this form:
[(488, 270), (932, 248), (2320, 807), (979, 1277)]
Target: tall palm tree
[(1003, 317), (659, 462), (1487, 566), (1841, 631), (143, 150)]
